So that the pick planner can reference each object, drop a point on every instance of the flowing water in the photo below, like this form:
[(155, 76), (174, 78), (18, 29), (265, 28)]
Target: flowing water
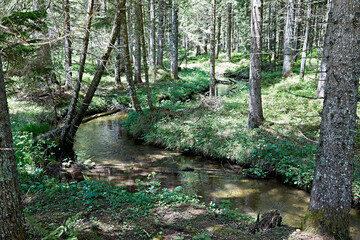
[(120, 160)]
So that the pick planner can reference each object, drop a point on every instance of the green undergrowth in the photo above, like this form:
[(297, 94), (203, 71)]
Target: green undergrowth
[(100, 210), (284, 146)]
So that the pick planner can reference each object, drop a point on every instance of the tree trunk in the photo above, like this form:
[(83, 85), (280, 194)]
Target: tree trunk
[(305, 42), (218, 40), (128, 70), (118, 60), (325, 55), (269, 35), (255, 105), (144, 51), (67, 46), (297, 21), (75, 95), (152, 53), (228, 36), (174, 40), (137, 44), (11, 214), (287, 70), (212, 48), (161, 37), (99, 71), (330, 201)]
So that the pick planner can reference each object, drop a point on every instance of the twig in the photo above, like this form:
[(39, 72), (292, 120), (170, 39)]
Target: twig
[(307, 137), (301, 95)]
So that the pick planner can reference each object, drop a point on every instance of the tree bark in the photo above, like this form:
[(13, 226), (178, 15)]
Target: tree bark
[(212, 48), (128, 70), (330, 201), (144, 51), (137, 44), (11, 213), (118, 60), (325, 55), (152, 53), (228, 36), (305, 42), (161, 37), (287, 70), (218, 40), (99, 71), (255, 105), (174, 40), (75, 95), (67, 46)]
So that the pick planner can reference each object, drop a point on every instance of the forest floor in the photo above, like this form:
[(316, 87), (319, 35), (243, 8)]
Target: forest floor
[(186, 121)]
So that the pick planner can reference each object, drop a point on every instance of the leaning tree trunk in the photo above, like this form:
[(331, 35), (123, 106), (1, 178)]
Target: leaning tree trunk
[(228, 34), (256, 116), (287, 70), (75, 96), (161, 33), (11, 214), (174, 40), (144, 50), (305, 42), (320, 93), (67, 45), (152, 52), (212, 48), (99, 71), (330, 201)]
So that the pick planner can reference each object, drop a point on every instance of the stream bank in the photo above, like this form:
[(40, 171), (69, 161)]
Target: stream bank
[(121, 161)]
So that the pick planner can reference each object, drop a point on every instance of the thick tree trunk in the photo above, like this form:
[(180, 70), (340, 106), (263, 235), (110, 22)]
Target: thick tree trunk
[(228, 33), (255, 105), (75, 95), (325, 55), (137, 44), (161, 37), (287, 70), (305, 42), (99, 72), (128, 70), (212, 48), (144, 51), (11, 214), (330, 202), (174, 40), (152, 53)]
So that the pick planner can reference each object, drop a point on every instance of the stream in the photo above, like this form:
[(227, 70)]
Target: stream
[(118, 159)]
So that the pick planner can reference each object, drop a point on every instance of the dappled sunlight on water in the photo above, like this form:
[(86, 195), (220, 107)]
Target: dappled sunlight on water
[(120, 161)]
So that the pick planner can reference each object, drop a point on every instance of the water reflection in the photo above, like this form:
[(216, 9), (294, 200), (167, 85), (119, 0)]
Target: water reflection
[(120, 161)]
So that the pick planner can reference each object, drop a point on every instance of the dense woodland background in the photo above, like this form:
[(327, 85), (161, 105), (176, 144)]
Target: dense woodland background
[(62, 61)]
